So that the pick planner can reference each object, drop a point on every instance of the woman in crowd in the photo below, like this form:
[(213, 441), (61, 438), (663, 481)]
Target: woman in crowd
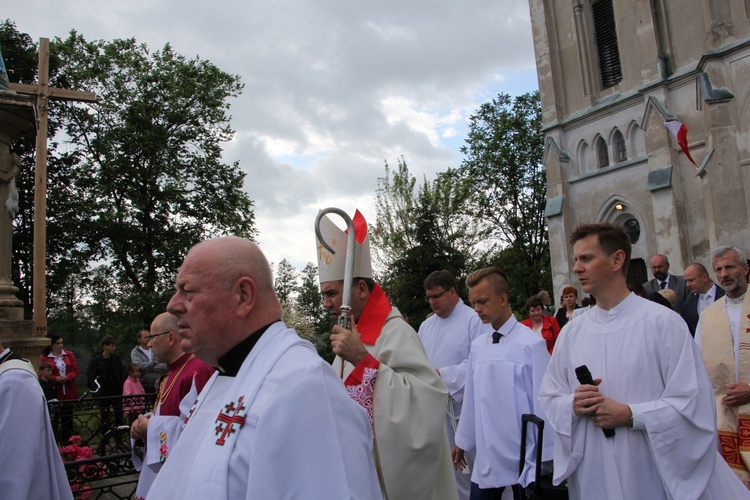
[(569, 299), (64, 374), (543, 325)]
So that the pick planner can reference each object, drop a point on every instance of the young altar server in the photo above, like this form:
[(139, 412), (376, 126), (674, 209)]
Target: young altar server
[(505, 370)]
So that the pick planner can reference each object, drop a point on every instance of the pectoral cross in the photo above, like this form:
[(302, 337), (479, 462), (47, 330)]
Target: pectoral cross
[(43, 93), (227, 419)]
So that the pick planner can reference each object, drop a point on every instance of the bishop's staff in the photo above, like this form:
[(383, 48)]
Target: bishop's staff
[(346, 299)]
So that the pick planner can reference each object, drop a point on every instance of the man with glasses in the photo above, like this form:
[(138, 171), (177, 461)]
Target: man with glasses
[(143, 356), (156, 433), (662, 279), (447, 336)]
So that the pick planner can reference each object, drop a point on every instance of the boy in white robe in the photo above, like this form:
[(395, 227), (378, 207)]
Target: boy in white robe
[(505, 370)]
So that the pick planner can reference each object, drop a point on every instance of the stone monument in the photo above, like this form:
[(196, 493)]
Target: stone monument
[(17, 119)]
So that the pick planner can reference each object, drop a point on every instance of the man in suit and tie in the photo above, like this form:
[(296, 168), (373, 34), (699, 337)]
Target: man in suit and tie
[(703, 293), (662, 279)]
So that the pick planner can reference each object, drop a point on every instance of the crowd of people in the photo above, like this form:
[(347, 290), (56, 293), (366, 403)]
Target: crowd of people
[(635, 406)]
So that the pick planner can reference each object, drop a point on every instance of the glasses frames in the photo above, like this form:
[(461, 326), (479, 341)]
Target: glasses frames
[(151, 337), (437, 296)]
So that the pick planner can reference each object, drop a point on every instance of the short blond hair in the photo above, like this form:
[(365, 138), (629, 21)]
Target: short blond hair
[(495, 275)]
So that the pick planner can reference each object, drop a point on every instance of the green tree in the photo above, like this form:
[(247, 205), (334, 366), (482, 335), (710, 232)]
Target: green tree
[(503, 160), (428, 254), (141, 181), (285, 282), (423, 228), (309, 302)]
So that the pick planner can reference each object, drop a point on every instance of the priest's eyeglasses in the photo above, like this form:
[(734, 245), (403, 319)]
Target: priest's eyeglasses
[(436, 296), (151, 337)]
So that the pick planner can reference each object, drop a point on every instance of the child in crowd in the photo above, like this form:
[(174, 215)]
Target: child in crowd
[(133, 387), (48, 386)]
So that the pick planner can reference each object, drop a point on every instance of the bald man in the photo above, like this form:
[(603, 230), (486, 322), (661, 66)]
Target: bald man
[(275, 421), (703, 293), (159, 431), (662, 279)]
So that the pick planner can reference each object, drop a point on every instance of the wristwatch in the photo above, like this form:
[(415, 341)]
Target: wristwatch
[(630, 421)]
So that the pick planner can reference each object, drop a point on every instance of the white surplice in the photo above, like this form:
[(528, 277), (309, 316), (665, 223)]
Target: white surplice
[(447, 343), (163, 432), (31, 467), (501, 385), (646, 359), (283, 428)]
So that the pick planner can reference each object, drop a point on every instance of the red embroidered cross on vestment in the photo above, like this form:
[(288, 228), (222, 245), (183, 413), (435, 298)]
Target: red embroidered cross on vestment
[(227, 419)]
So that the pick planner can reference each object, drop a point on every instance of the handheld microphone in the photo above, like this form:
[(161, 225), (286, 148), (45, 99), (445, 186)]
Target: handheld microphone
[(584, 378)]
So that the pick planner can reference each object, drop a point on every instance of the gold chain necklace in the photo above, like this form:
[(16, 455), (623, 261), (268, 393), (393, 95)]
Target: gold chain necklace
[(163, 395)]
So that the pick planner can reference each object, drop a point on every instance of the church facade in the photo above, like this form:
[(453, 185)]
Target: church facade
[(611, 73)]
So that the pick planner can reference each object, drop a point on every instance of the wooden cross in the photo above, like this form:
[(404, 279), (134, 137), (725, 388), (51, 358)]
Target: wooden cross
[(43, 93), (232, 416)]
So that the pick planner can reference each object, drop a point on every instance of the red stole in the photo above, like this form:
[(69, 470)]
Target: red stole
[(370, 324)]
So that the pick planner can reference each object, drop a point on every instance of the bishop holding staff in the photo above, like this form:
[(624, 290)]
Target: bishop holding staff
[(385, 370)]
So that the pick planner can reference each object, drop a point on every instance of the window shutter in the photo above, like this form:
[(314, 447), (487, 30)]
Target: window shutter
[(606, 42)]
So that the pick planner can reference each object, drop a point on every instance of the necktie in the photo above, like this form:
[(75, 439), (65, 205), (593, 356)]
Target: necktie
[(703, 302), (663, 285), (496, 337)]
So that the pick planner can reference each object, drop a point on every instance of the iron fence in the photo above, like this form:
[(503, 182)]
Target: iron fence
[(98, 456)]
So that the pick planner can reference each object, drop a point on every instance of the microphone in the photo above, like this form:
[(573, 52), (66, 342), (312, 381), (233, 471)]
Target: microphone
[(584, 378)]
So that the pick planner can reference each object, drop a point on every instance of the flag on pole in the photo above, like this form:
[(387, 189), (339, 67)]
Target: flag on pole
[(679, 132)]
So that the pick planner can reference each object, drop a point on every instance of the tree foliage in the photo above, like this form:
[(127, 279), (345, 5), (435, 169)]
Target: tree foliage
[(285, 282), (309, 303), (140, 182), (503, 160), (420, 229)]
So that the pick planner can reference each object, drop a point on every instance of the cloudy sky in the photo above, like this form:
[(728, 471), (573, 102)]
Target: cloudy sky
[(333, 88)]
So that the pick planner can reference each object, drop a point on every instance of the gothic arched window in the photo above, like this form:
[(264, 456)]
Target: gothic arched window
[(619, 145), (601, 153)]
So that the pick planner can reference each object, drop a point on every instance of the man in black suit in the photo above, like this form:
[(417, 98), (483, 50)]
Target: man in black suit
[(703, 293), (110, 373), (662, 279)]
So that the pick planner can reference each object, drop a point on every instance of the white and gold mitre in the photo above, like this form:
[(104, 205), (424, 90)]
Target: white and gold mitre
[(331, 265)]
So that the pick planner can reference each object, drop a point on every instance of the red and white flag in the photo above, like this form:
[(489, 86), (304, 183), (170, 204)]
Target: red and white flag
[(679, 132)]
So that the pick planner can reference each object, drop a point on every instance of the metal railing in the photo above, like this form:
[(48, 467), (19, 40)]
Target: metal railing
[(98, 462)]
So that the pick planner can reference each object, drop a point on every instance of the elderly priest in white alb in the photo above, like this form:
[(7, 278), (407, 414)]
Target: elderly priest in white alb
[(275, 422)]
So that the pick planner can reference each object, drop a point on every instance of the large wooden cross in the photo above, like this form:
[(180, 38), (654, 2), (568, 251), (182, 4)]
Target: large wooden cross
[(43, 93)]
